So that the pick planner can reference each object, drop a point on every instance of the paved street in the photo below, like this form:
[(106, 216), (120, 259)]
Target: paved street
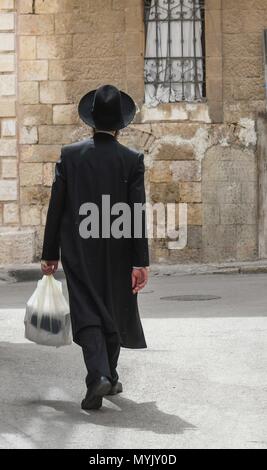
[(202, 382)]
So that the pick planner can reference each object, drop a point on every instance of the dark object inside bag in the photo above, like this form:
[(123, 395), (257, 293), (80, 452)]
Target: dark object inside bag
[(52, 325)]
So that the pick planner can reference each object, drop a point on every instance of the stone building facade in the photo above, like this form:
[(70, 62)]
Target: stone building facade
[(205, 154)]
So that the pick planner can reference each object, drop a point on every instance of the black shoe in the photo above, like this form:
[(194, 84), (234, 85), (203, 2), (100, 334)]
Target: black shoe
[(94, 395), (116, 388)]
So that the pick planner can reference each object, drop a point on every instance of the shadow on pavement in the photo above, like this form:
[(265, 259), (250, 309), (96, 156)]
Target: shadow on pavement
[(41, 388)]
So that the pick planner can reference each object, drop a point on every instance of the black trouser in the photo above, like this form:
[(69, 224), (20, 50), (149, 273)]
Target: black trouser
[(100, 352)]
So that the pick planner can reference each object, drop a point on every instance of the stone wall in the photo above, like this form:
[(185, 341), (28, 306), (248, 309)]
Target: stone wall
[(201, 154)]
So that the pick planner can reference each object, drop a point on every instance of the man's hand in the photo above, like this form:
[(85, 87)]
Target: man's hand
[(49, 267), (139, 279)]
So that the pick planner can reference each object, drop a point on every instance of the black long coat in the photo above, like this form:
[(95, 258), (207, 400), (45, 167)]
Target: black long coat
[(98, 270)]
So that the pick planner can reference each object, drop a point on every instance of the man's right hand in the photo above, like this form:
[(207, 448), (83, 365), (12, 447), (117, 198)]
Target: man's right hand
[(139, 279)]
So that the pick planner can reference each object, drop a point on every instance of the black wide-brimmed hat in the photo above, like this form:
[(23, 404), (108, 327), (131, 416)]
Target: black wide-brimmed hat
[(107, 108)]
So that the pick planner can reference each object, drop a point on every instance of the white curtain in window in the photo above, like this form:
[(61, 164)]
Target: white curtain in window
[(170, 35)]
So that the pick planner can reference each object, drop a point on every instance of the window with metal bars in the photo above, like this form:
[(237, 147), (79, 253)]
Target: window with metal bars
[(174, 51)]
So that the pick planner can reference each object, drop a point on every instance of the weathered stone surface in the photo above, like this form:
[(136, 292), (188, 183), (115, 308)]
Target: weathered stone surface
[(27, 47), (53, 6), (54, 92), (30, 215), (54, 47), (56, 134), (7, 85), (103, 46), (17, 247), (238, 214), (161, 172), (29, 92), (11, 213), (7, 21), (33, 70), (9, 168), (36, 24), (34, 115), (7, 62), (38, 194), (164, 192), (8, 127), (8, 190), (7, 42), (242, 45), (190, 192), (6, 4), (211, 214), (8, 147), (39, 153), (28, 135), (31, 174), (172, 151), (65, 114), (194, 237), (194, 214), (7, 107), (186, 171), (48, 174)]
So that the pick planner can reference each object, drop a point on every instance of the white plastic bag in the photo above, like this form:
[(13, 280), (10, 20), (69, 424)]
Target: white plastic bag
[(47, 317)]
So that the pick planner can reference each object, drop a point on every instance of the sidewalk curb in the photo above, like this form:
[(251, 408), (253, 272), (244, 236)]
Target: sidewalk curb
[(32, 272)]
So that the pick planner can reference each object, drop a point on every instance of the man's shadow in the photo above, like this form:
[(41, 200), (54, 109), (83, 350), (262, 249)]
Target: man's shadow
[(128, 414), (28, 375)]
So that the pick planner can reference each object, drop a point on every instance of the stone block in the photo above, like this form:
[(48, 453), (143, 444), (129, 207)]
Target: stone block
[(55, 92), (54, 47), (29, 93), (56, 134), (11, 213), (31, 174), (229, 193), (242, 45), (102, 46), (7, 42), (48, 174), (54, 6), (27, 47), (194, 214), (7, 62), (35, 115), (38, 194), (7, 108), (8, 148), (35, 25), (194, 236), (28, 135), (9, 168), (25, 7), (8, 127), (186, 171), (33, 70), (7, 21), (238, 214), (161, 172), (164, 192), (8, 190), (172, 151), (7, 85), (6, 4), (65, 114), (17, 246), (211, 214), (190, 192), (30, 215), (39, 153)]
